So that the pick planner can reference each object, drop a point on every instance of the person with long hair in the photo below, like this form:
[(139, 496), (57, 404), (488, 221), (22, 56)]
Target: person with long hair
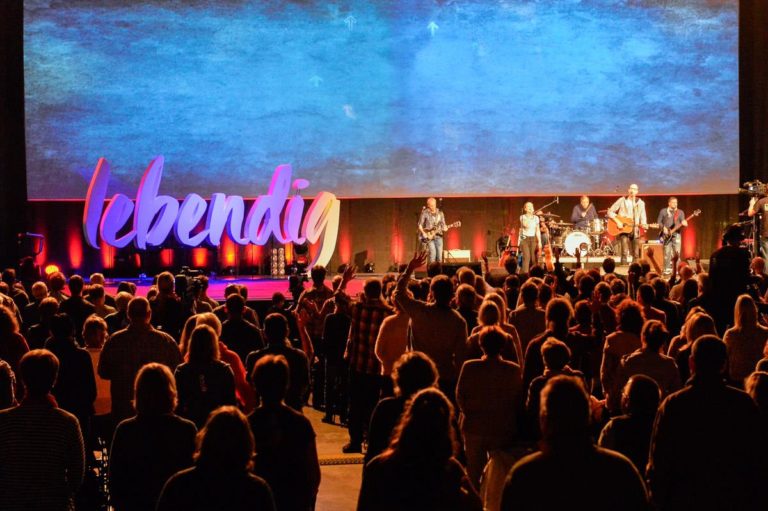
[(419, 471), (13, 346), (152, 446), (221, 478), (490, 315), (620, 343), (745, 340), (243, 389), (204, 382)]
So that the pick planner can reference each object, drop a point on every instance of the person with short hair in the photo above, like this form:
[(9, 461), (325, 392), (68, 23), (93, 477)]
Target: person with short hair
[(30, 313), (286, 451), (76, 306), (43, 457), (630, 434), (239, 334), (75, 389), (168, 314), (119, 319), (708, 450), (97, 296), (275, 333), (556, 356), (489, 395), (150, 447), (204, 382), (559, 314), (360, 355), (128, 350), (419, 469), (221, 477), (437, 330), (560, 475), (648, 360)]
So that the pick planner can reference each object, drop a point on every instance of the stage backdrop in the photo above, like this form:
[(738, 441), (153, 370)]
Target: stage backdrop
[(372, 99)]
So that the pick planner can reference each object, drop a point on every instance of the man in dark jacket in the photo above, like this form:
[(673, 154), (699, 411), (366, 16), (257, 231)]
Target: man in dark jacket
[(707, 449)]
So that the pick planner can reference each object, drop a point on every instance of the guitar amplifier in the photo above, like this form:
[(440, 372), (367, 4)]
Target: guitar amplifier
[(658, 252), (457, 256)]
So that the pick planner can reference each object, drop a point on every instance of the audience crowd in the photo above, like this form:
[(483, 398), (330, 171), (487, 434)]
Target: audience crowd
[(580, 389)]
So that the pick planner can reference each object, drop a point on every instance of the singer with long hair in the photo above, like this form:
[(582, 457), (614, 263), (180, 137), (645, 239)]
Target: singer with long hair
[(529, 238)]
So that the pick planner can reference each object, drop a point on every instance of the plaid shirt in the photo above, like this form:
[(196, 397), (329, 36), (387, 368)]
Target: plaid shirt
[(366, 321)]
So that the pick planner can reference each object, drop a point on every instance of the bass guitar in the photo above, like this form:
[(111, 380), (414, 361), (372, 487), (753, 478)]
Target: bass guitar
[(666, 237), (429, 234), (628, 225)]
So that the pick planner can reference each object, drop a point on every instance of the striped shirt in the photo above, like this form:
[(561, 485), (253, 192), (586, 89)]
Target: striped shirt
[(43, 457)]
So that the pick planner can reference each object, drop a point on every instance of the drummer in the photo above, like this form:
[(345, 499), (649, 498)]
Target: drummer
[(583, 214)]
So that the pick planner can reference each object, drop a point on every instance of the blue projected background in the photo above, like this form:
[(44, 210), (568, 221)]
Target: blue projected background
[(384, 98)]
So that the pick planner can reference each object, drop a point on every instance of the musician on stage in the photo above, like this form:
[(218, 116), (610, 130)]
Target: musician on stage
[(583, 214), (670, 218), (529, 237), (761, 207), (631, 208), (432, 221)]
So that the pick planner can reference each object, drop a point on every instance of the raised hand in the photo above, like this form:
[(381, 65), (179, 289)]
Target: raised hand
[(349, 273), (419, 258)]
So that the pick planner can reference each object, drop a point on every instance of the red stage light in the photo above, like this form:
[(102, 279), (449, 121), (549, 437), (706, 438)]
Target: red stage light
[(200, 257), (51, 268)]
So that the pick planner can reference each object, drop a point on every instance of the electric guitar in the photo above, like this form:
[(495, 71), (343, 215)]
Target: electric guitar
[(670, 233), (429, 234), (627, 227)]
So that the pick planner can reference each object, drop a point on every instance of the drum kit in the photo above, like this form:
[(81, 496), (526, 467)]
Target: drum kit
[(592, 241)]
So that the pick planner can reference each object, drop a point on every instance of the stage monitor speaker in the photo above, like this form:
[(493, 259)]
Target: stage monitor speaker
[(457, 256), (450, 269), (360, 259), (658, 252)]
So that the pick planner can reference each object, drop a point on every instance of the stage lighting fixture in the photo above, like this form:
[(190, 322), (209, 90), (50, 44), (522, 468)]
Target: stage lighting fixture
[(51, 268)]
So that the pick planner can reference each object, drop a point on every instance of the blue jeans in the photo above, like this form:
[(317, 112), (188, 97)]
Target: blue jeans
[(673, 246), (434, 249)]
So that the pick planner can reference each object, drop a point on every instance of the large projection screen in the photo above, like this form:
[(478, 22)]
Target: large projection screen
[(384, 98)]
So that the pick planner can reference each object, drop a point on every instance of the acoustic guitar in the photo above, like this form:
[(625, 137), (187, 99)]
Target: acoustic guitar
[(666, 238), (429, 234), (627, 227)]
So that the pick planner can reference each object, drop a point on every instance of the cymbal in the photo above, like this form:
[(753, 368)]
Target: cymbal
[(563, 224), (549, 215)]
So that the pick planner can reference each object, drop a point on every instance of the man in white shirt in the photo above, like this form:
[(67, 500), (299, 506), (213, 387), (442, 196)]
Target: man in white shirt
[(629, 210)]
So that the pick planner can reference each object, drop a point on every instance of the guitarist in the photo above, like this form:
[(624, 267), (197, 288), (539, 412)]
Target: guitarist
[(631, 208), (432, 221), (671, 218)]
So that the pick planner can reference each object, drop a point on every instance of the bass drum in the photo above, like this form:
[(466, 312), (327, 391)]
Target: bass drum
[(577, 240)]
